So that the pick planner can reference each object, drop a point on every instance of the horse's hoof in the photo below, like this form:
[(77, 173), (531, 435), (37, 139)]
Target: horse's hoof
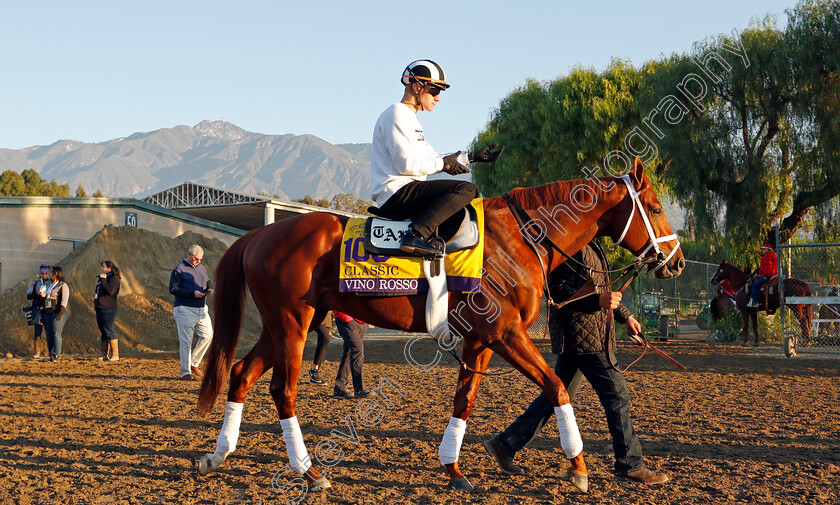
[(204, 465), (207, 464), (320, 485), (579, 480), (461, 485)]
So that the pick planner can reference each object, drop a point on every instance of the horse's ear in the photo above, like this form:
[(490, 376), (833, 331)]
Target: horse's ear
[(638, 173)]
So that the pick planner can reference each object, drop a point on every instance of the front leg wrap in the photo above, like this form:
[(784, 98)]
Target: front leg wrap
[(570, 439), (450, 446), (298, 455)]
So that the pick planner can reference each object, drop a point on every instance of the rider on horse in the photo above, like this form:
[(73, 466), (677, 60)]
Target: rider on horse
[(401, 159), (725, 289), (767, 270)]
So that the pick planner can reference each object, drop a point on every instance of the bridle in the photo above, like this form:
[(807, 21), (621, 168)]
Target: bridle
[(654, 240)]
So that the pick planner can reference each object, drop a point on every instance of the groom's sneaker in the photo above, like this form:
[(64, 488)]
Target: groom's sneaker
[(314, 378)]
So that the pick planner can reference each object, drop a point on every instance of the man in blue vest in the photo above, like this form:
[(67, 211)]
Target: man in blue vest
[(190, 284)]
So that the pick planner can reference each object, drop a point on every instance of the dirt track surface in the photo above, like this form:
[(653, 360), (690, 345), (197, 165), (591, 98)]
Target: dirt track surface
[(741, 426)]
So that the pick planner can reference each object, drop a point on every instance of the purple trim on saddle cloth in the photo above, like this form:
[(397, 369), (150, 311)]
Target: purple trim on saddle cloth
[(405, 286)]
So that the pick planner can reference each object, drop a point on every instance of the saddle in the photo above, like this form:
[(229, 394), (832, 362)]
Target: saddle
[(770, 288), (383, 235)]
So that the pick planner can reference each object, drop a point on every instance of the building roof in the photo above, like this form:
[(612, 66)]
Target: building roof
[(128, 203), (232, 208)]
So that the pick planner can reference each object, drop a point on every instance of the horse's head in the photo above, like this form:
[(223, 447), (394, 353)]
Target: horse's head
[(721, 273), (646, 232)]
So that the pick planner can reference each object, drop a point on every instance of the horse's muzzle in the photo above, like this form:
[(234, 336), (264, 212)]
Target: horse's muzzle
[(670, 270)]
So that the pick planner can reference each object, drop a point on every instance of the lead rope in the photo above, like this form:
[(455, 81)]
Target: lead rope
[(607, 338)]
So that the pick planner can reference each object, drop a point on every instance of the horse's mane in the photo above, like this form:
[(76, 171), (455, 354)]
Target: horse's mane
[(547, 194)]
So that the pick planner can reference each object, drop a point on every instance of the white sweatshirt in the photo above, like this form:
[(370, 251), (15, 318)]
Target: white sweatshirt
[(400, 153)]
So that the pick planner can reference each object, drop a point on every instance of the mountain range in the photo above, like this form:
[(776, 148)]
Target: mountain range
[(215, 153)]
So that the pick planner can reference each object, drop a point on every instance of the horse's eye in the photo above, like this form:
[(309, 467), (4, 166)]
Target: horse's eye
[(656, 212)]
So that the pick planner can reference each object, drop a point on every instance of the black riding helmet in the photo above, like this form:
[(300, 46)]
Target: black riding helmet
[(426, 72)]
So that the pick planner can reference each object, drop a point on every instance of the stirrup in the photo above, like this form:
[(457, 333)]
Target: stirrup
[(415, 244)]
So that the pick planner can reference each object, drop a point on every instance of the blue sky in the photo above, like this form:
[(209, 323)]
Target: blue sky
[(94, 71)]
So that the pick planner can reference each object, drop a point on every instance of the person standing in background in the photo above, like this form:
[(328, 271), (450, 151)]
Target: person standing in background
[(55, 311), (37, 292), (353, 358), (323, 332), (191, 285), (105, 306)]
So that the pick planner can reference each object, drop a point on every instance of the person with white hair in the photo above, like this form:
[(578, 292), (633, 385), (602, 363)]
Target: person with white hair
[(191, 285)]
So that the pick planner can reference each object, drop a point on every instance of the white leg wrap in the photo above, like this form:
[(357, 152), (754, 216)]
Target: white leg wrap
[(226, 443), (570, 439), (450, 446), (298, 455)]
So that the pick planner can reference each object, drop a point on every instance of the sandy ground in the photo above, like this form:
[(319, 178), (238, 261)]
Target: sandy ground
[(743, 425)]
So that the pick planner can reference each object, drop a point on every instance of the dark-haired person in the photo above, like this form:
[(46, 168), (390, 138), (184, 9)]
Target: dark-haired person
[(55, 311), (402, 158), (37, 291), (105, 305)]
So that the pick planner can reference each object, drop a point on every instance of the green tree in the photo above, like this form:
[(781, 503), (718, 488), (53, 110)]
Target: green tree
[(55, 189), (34, 183), (761, 142), (562, 129), (12, 184), (813, 36), (98, 194), (308, 200), (80, 192), (349, 203)]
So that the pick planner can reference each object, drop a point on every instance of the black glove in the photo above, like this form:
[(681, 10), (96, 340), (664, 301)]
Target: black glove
[(451, 165), (486, 154)]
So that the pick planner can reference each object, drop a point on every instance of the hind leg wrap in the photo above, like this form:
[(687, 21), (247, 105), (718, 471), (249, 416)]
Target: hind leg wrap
[(226, 443), (570, 439), (229, 435), (450, 446), (298, 455)]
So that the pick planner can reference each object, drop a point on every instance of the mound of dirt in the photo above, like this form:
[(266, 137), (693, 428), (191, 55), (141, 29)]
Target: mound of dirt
[(144, 321)]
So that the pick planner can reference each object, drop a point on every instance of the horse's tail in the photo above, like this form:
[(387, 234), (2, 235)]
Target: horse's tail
[(227, 320), (805, 313), (808, 313), (715, 310)]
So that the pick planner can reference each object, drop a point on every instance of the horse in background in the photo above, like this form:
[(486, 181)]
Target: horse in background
[(720, 306), (793, 287), (291, 269)]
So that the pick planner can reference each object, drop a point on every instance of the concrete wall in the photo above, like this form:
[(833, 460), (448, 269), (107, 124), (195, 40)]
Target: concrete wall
[(36, 230)]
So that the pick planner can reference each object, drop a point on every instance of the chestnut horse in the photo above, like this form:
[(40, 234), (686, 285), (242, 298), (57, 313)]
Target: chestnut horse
[(292, 269), (793, 287)]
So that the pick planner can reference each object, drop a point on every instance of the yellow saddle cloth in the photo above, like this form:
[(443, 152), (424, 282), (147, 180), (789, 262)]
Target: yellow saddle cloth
[(362, 272)]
